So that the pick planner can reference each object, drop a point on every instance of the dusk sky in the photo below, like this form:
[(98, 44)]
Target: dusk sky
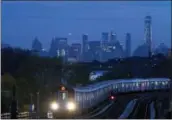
[(23, 21)]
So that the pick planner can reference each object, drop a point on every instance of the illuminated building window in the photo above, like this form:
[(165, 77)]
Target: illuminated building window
[(76, 50), (58, 53), (63, 52), (88, 47)]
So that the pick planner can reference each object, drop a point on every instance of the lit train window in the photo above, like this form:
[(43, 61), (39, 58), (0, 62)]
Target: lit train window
[(156, 83), (63, 95), (137, 84), (122, 85), (148, 83)]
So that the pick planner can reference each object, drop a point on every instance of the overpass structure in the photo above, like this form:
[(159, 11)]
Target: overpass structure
[(91, 95)]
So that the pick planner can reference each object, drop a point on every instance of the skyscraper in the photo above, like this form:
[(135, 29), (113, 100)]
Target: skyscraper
[(105, 36), (75, 51), (104, 44), (84, 46), (62, 47), (113, 37), (59, 48), (53, 48), (128, 45), (148, 33), (94, 50), (85, 43)]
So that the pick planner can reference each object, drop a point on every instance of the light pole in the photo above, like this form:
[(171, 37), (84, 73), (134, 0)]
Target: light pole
[(38, 104), (31, 96)]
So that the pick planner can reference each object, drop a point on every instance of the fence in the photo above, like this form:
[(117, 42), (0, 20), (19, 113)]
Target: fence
[(25, 115)]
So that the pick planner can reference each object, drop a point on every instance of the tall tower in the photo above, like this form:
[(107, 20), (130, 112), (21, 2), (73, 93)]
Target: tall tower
[(148, 33), (84, 45), (103, 44), (128, 45)]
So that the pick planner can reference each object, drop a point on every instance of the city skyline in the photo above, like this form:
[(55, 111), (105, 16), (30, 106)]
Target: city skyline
[(135, 23)]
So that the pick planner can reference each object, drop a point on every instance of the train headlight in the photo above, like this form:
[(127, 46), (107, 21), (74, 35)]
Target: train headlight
[(71, 106), (54, 106)]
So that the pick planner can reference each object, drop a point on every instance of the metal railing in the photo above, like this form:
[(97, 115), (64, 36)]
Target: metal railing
[(20, 115)]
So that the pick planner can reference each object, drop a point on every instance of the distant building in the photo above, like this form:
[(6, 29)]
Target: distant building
[(128, 45), (162, 49), (62, 48), (36, 45), (148, 33), (112, 50), (105, 36), (59, 48), (53, 48), (84, 46), (72, 60), (113, 37), (75, 51), (94, 50), (104, 44), (44, 53)]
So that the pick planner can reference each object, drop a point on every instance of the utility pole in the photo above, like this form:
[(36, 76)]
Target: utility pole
[(14, 111), (38, 105), (31, 96)]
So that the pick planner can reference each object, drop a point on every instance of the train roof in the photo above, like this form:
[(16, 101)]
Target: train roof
[(102, 84)]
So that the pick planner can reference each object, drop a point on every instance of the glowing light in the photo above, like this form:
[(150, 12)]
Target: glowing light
[(63, 88), (112, 97), (71, 106), (54, 106)]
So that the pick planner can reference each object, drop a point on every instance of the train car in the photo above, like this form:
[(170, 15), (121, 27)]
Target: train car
[(64, 105)]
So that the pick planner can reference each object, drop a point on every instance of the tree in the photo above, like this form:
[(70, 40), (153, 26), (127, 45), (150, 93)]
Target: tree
[(79, 74), (7, 82)]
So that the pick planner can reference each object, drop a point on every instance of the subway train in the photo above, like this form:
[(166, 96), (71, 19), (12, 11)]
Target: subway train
[(64, 104), (71, 101)]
